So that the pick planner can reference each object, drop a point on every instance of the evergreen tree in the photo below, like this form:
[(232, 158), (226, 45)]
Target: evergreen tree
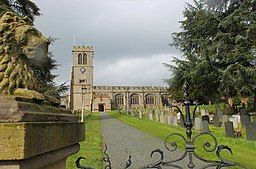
[(218, 47), (21, 7)]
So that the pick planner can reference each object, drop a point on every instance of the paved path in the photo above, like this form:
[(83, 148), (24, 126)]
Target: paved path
[(123, 140)]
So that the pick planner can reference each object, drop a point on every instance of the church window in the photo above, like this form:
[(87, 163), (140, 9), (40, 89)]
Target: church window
[(134, 99), (84, 59), (150, 99), (80, 58), (119, 100)]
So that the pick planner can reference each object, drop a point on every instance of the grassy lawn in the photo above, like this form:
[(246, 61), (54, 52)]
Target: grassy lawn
[(91, 148), (244, 151)]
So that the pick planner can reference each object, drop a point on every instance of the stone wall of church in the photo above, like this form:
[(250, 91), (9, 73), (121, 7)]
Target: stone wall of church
[(106, 98)]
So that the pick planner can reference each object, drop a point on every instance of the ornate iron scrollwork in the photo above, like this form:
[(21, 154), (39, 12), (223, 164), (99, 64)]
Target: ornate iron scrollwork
[(189, 145)]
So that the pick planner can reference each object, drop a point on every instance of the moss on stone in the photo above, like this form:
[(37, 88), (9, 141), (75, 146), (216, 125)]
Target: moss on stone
[(54, 101), (29, 94)]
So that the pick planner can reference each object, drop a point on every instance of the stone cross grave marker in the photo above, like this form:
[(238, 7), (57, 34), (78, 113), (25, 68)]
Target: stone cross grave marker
[(198, 124), (205, 126), (234, 120), (237, 117), (216, 121), (229, 129), (251, 132)]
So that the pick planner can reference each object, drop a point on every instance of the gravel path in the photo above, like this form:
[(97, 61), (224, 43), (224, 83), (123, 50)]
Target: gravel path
[(123, 140)]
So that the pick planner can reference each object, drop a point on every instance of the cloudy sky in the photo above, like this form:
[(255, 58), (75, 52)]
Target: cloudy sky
[(130, 37)]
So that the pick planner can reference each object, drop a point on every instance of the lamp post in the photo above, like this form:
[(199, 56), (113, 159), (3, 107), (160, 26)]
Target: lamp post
[(84, 89)]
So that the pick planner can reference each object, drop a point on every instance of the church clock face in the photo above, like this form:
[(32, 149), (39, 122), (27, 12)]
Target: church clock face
[(82, 70)]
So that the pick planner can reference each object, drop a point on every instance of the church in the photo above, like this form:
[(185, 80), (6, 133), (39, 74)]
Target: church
[(107, 98)]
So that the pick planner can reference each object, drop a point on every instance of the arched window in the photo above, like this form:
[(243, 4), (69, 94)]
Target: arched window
[(80, 58), (150, 99), (84, 59), (134, 99), (119, 99)]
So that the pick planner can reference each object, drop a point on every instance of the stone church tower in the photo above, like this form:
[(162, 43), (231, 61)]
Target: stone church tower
[(107, 98), (81, 75)]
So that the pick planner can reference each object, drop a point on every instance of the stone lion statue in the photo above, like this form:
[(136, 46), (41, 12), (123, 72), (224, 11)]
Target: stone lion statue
[(20, 44)]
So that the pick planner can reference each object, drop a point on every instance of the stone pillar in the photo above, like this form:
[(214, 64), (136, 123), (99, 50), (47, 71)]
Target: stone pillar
[(36, 135)]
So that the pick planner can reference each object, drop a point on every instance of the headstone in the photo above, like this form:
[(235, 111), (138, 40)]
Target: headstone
[(220, 114), (175, 120), (229, 129), (169, 119), (245, 118), (178, 116), (204, 112), (254, 120), (237, 117), (150, 115), (206, 118), (216, 121), (205, 126), (157, 116), (224, 119), (140, 115), (182, 123), (234, 120), (198, 124), (161, 118), (251, 132)]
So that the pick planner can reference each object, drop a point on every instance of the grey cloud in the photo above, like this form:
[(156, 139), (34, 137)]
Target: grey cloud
[(117, 29)]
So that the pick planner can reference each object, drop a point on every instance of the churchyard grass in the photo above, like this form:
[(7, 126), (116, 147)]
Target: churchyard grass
[(91, 148), (244, 152)]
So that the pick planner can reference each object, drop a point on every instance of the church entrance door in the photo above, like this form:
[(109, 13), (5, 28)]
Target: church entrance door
[(101, 107)]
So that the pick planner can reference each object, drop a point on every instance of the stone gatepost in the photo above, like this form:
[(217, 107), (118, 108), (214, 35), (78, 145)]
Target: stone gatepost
[(36, 135)]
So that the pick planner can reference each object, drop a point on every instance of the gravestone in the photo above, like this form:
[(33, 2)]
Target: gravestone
[(220, 114), (157, 116), (162, 118), (224, 119), (216, 121), (206, 118), (175, 120), (205, 126), (237, 117), (245, 118), (229, 129), (182, 122), (140, 115), (169, 119), (254, 120), (251, 132), (198, 124), (204, 112), (150, 115), (234, 120)]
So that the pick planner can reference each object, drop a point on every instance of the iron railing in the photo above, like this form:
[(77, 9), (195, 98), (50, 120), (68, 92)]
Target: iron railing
[(189, 146)]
